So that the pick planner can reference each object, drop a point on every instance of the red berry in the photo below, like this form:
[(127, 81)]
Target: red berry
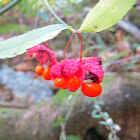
[(73, 83), (46, 74), (60, 82), (91, 89), (39, 70)]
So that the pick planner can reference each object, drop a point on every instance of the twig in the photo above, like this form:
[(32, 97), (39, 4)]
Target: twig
[(37, 15), (9, 6), (12, 105), (129, 27), (53, 12), (108, 126), (68, 44), (81, 46), (63, 132), (49, 20), (71, 107), (63, 125), (122, 60), (55, 15)]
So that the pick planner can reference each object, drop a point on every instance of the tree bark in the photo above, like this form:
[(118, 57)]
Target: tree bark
[(121, 95)]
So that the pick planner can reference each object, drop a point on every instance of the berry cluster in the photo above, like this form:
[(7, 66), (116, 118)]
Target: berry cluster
[(69, 73)]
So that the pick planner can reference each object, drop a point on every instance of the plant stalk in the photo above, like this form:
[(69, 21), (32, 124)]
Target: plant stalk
[(9, 6), (53, 12), (55, 15), (81, 46), (68, 44)]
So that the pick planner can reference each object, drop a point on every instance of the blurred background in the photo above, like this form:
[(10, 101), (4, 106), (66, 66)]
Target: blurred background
[(35, 108)]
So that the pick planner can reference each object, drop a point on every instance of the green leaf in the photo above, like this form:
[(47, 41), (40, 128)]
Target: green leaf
[(105, 14), (58, 122), (13, 28), (101, 103), (18, 45), (119, 55), (73, 137), (94, 113), (61, 96), (110, 136), (97, 116), (106, 115), (103, 123), (96, 106)]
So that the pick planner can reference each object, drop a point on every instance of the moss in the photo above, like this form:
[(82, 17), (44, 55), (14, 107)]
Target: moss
[(134, 16)]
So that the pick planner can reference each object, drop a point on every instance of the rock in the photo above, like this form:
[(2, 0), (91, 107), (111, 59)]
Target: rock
[(120, 95), (23, 85), (6, 94)]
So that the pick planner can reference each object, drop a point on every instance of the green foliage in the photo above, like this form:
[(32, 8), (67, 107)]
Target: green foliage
[(58, 122), (28, 7), (12, 28), (95, 114), (106, 115), (1, 2), (51, 2), (118, 55), (18, 45), (105, 14), (73, 137), (61, 95), (110, 136), (103, 123)]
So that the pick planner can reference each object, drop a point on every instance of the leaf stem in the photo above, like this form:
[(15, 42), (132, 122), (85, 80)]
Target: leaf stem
[(9, 6), (68, 45), (81, 46), (49, 20)]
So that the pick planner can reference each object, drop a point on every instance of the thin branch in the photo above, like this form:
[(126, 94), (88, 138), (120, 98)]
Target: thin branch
[(63, 132), (80, 45), (49, 20), (37, 15), (135, 57), (71, 106), (63, 125), (12, 105), (53, 12), (68, 44), (55, 15), (108, 126), (9, 6), (129, 27)]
